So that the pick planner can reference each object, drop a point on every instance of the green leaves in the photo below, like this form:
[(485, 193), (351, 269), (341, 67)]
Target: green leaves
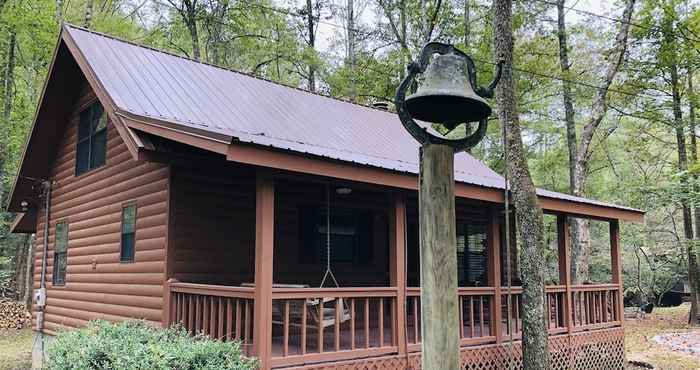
[(136, 345)]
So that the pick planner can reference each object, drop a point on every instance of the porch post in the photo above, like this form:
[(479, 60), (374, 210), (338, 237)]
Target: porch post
[(563, 240), (494, 276), (397, 228), (264, 240), (616, 262)]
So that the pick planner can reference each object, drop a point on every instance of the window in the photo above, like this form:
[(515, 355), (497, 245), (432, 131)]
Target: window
[(91, 151), (472, 258), (128, 239), (351, 235), (60, 255)]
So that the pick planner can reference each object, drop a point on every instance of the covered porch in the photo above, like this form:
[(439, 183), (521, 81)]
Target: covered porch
[(249, 250)]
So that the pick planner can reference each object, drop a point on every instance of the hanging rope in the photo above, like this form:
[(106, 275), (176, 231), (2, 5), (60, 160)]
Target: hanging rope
[(329, 271)]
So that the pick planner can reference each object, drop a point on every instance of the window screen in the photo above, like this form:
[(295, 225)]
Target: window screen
[(128, 239), (472, 258), (60, 255), (91, 151)]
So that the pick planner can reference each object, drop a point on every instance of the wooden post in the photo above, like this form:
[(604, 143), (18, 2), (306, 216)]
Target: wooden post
[(264, 241), (397, 268), (616, 262), (563, 240), (495, 273), (438, 259)]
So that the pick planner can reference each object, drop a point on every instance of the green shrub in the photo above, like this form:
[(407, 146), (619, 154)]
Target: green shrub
[(134, 345)]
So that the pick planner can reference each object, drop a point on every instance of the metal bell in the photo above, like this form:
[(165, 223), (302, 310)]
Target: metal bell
[(446, 96)]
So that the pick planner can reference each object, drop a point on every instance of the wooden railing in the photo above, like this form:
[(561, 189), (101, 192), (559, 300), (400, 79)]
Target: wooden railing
[(314, 324), (595, 306), (475, 316), (222, 312)]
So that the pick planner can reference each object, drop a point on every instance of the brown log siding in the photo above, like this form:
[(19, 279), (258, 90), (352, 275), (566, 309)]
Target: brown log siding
[(98, 285)]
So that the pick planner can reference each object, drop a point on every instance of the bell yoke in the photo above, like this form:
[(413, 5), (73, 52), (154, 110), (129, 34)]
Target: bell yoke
[(447, 95)]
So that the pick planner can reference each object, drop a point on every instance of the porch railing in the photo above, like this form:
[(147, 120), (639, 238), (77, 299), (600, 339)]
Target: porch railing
[(475, 316), (318, 324), (595, 306), (222, 312)]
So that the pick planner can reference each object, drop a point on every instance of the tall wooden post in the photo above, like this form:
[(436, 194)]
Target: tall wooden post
[(495, 273), (616, 262), (563, 240), (438, 259), (397, 268), (264, 241)]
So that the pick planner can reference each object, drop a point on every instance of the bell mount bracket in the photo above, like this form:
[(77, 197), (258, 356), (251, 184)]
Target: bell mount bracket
[(418, 67)]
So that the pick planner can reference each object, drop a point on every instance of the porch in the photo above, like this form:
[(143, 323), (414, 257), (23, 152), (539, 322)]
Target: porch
[(267, 295)]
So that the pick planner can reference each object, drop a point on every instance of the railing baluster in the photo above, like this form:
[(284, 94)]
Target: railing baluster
[(481, 316), (198, 315), (352, 323), (381, 322), (392, 311), (285, 322), (212, 317), (366, 322), (220, 322), (416, 302), (239, 320), (191, 313), (338, 303), (246, 322), (461, 316), (471, 317), (303, 327), (229, 318), (320, 325), (517, 313)]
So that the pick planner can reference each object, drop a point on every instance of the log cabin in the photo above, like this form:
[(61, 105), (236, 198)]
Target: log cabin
[(180, 192)]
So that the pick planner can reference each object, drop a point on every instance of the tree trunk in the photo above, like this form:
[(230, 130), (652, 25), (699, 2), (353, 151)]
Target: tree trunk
[(529, 214), (438, 259), (59, 11), (312, 43), (87, 23), (467, 26), (669, 41), (8, 84), (351, 48), (579, 152), (191, 22)]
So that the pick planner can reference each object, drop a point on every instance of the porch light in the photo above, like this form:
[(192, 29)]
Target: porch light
[(343, 191), (448, 97), (24, 205)]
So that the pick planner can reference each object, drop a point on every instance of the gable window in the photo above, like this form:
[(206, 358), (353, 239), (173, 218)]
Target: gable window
[(60, 255), (91, 151), (472, 254), (128, 239)]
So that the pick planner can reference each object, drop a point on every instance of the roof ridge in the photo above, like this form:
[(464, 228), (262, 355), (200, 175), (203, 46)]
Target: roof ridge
[(133, 43)]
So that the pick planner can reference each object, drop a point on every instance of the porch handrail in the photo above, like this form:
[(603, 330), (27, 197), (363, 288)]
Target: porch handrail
[(212, 290)]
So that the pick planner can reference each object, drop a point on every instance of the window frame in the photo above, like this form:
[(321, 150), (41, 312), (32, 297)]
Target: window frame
[(132, 257), (56, 255), (89, 138)]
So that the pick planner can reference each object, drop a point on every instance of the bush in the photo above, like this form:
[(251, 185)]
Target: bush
[(133, 345)]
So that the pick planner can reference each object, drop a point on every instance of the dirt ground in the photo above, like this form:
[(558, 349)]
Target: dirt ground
[(640, 346), (15, 349)]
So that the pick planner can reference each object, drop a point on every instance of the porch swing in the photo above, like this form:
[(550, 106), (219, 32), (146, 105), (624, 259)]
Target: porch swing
[(320, 316)]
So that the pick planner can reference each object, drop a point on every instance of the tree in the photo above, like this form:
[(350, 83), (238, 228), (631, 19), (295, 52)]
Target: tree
[(579, 151), (529, 214)]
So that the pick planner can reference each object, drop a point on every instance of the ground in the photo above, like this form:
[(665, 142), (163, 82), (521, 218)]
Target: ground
[(15, 349), (15, 345), (641, 346)]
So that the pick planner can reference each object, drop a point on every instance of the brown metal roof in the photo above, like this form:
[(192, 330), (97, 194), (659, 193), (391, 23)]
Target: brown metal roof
[(234, 106)]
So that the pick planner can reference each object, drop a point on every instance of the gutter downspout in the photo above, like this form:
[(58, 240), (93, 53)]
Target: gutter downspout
[(40, 296)]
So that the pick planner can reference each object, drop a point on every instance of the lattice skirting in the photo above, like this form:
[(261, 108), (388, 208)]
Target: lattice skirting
[(594, 350)]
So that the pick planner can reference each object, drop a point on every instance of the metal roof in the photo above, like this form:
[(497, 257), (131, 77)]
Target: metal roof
[(226, 103)]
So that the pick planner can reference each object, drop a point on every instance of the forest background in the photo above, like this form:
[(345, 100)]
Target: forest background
[(636, 146)]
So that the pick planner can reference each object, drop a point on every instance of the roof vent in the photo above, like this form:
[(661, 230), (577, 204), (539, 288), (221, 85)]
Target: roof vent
[(381, 105)]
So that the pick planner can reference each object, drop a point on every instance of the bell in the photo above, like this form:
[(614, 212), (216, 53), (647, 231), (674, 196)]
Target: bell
[(446, 96)]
